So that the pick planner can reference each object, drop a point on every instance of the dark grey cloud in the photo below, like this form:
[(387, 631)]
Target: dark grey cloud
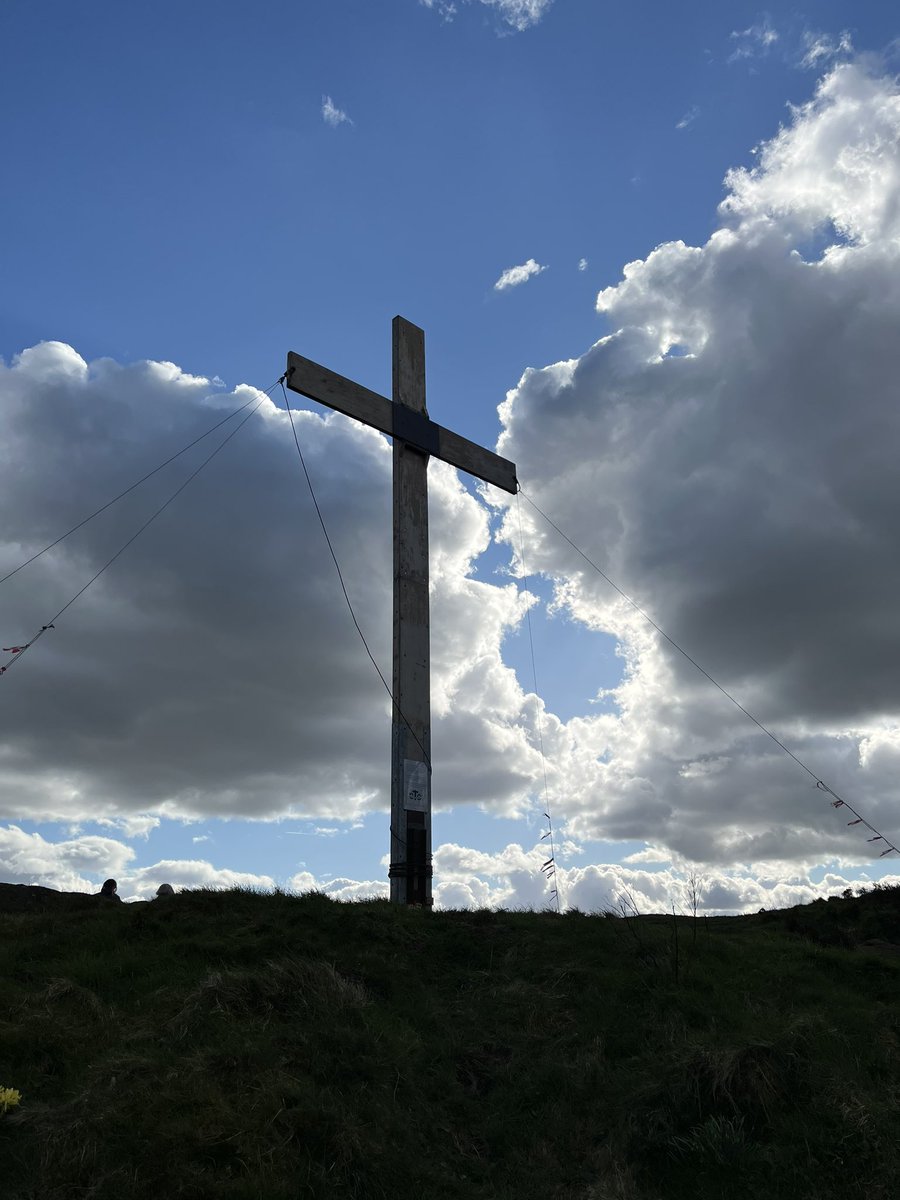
[(214, 669)]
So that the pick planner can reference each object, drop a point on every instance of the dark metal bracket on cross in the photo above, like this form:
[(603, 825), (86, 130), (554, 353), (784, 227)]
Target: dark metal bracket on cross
[(416, 437)]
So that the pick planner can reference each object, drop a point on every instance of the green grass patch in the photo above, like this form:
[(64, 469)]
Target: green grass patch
[(240, 1045)]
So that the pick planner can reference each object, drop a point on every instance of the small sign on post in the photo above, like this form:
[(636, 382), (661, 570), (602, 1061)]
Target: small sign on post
[(415, 786)]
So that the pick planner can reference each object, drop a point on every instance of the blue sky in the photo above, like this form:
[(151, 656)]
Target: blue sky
[(211, 186), (179, 196)]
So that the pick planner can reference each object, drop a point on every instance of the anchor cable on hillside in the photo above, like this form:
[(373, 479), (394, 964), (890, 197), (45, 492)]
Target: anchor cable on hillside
[(337, 567), (837, 801), (548, 868), (18, 651), (136, 484)]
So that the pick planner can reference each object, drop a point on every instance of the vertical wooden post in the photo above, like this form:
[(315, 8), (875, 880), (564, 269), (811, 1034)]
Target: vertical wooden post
[(410, 869)]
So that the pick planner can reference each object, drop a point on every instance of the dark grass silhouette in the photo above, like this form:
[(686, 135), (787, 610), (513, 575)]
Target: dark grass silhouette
[(241, 1045)]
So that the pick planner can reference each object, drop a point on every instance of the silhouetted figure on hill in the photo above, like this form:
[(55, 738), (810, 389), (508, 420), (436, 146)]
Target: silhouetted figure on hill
[(164, 889), (108, 891)]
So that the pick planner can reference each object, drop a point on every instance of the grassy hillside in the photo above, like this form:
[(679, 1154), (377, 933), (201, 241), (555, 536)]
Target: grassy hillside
[(235, 1045)]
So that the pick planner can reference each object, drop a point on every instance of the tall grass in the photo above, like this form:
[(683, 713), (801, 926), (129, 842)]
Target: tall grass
[(240, 1045)]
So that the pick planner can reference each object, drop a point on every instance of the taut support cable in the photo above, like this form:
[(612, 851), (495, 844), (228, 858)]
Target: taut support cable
[(837, 801), (548, 868), (19, 651), (136, 484)]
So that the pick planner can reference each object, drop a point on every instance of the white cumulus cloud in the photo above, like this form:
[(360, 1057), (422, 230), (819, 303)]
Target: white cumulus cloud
[(511, 878), (80, 864), (514, 276), (76, 864), (727, 454)]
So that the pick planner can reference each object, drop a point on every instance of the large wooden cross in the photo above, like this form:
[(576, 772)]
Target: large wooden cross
[(416, 437)]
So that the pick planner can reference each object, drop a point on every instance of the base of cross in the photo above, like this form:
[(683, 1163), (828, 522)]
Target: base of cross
[(417, 876)]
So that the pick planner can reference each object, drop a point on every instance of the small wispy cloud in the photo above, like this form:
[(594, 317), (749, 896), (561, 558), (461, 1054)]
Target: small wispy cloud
[(131, 827), (325, 831), (819, 48), (689, 117), (518, 15), (332, 115), (204, 837), (445, 8), (513, 276), (582, 264), (754, 41), (652, 854)]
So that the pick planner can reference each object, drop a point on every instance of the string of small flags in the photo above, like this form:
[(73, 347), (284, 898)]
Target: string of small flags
[(549, 867), (16, 652), (838, 802)]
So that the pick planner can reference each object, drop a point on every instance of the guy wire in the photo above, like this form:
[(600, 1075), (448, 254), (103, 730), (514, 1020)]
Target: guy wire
[(340, 576), (19, 652), (549, 867), (137, 483), (837, 802)]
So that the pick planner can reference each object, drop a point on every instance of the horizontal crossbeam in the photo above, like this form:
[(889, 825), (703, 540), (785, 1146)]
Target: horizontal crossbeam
[(334, 391)]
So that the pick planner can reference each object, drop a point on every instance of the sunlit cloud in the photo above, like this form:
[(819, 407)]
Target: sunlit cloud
[(332, 115), (517, 15), (821, 48), (515, 276), (753, 42)]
